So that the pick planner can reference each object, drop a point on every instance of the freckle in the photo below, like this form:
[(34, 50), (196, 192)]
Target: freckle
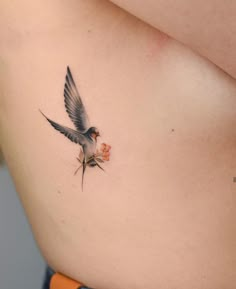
[(172, 129), (59, 192)]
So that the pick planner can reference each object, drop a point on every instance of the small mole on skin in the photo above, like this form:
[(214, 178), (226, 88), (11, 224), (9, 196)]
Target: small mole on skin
[(89, 30), (59, 192), (172, 129)]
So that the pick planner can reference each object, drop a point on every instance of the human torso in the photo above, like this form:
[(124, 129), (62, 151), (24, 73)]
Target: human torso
[(162, 215)]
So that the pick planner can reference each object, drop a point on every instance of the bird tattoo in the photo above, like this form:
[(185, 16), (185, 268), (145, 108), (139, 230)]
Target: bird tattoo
[(83, 134)]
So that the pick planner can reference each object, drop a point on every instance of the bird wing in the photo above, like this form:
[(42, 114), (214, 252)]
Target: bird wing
[(71, 134), (74, 105)]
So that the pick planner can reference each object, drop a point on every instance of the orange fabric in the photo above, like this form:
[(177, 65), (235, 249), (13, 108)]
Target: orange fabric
[(59, 281)]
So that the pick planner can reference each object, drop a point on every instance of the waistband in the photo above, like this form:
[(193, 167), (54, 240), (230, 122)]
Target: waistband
[(57, 280)]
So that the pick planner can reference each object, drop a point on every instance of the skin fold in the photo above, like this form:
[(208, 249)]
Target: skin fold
[(208, 27), (162, 215)]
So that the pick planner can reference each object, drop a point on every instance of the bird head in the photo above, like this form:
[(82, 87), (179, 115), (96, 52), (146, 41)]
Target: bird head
[(93, 132)]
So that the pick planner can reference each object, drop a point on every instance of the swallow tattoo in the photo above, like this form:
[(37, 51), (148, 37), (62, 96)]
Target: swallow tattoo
[(83, 134)]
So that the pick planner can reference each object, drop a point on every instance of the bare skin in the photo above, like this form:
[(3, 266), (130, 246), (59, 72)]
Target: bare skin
[(208, 27), (163, 214)]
